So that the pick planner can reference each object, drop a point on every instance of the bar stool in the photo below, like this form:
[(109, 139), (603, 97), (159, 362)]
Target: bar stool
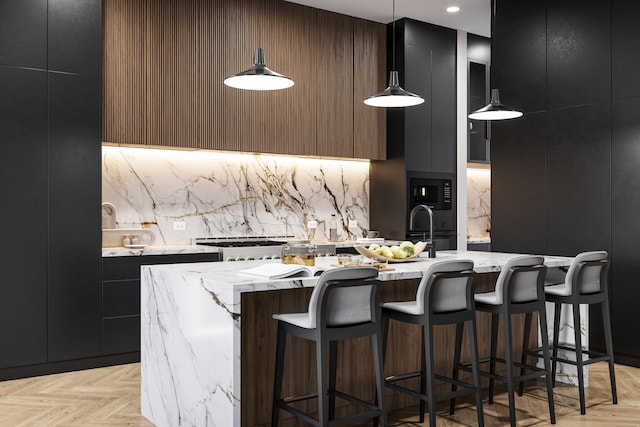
[(586, 282), (519, 289), (343, 305), (444, 297)]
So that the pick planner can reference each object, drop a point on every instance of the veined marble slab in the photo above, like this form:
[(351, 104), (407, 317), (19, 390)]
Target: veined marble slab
[(220, 194), (191, 316)]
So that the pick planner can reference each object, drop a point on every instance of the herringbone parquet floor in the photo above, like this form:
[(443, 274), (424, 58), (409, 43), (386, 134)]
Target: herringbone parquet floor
[(109, 397)]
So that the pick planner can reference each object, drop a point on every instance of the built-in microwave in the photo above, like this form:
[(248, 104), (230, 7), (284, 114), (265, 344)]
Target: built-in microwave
[(435, 193)]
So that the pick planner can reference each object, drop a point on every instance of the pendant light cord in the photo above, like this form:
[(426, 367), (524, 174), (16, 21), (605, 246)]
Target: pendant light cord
[(393, 36)]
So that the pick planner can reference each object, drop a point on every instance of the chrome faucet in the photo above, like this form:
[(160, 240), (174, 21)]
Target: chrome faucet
[(412, 215)]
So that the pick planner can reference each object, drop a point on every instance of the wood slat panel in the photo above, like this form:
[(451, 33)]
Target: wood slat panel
[(165, 62), (369, 71), (335, 84), (172, 76), (124, 71)]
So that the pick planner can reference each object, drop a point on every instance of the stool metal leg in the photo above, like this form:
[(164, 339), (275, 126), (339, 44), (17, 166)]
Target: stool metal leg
[(430, 366), (333, 356), (376, 341), (494, 349), (281, 340), (423, 375), (579, 356), (456, 362), (508, 356), (475, 365), (542, 313), (525, 347), (556, 336), (609, 344), (323, 397)]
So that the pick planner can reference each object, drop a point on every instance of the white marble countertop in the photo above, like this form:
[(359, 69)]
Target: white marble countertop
[(222, 278), (199, 249), (191, 332), (159, 250)]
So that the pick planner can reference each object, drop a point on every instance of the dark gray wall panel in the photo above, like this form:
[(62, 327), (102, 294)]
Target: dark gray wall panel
[(518, 185), (75, 237), (23, 173), (510, 9), (625, 205), (519, 62), (626, 48), (578, 179), (578, 53), (23, 33), (75, 36)]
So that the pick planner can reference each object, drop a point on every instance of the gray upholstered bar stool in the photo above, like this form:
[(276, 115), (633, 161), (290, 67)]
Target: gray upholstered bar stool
[(343, 305), (444, 297), (519, 289), (586, 282)]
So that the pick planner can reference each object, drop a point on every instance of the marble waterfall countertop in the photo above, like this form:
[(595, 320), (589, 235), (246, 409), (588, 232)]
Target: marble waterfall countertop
[(191, 332)]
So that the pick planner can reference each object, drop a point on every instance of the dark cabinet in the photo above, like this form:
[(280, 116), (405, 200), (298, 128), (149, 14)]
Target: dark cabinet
[(625, 205), (426, 60), (50, 128), (75, 36), (478, 85), (74, 219), (421, 140), (121, 297), (23, 173), (23, 33)]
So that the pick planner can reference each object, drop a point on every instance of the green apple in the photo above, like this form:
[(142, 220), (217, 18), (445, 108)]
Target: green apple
[(408, 248), (373, 247)]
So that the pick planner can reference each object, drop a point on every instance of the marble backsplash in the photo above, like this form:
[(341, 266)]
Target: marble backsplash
[(478, 203), (226, 194)]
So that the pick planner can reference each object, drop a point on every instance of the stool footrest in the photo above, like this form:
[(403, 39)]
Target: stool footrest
[(537, 372), (467, 388), (372, 410), (594, 356)]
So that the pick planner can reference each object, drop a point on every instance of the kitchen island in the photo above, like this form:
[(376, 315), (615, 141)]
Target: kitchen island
[(208, 340)]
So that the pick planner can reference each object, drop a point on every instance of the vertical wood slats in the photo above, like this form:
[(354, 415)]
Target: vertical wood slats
[(369, 70), (335, 84), (124, 71), (165, 61)]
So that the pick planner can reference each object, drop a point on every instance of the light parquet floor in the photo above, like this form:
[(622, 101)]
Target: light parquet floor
[(108, 397)]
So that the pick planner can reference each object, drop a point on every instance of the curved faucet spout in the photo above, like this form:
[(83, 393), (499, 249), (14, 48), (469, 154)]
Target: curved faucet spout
[(412, 216)]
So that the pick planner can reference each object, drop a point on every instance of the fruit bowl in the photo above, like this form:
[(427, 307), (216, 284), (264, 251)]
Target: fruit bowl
[(417, 248)]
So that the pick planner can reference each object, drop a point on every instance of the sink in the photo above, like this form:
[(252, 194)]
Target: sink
[(112, 237)]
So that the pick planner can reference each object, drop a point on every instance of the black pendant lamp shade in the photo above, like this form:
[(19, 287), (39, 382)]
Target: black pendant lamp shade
[(394, 95), (495, 110), (259, 77)]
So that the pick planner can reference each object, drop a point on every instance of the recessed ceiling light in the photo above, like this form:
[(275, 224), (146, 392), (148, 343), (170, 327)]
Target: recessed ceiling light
[(453, 9)]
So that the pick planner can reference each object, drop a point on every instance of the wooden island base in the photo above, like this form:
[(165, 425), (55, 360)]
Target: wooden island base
[(355, 373)]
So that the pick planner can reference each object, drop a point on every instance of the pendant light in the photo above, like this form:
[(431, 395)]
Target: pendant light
[(394, 95), (259, 77), (495, 110)]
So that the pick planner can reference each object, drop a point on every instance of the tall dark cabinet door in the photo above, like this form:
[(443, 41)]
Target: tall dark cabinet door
[(75, 36), (625, 205), (23, 33), (23, 173), (74, 242)]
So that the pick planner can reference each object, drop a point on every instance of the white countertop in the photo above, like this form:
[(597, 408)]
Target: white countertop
[(159, 250), (222, 278), (191, 333)]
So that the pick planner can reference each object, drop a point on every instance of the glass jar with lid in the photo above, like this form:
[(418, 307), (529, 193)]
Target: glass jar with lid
[(301, 252)]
